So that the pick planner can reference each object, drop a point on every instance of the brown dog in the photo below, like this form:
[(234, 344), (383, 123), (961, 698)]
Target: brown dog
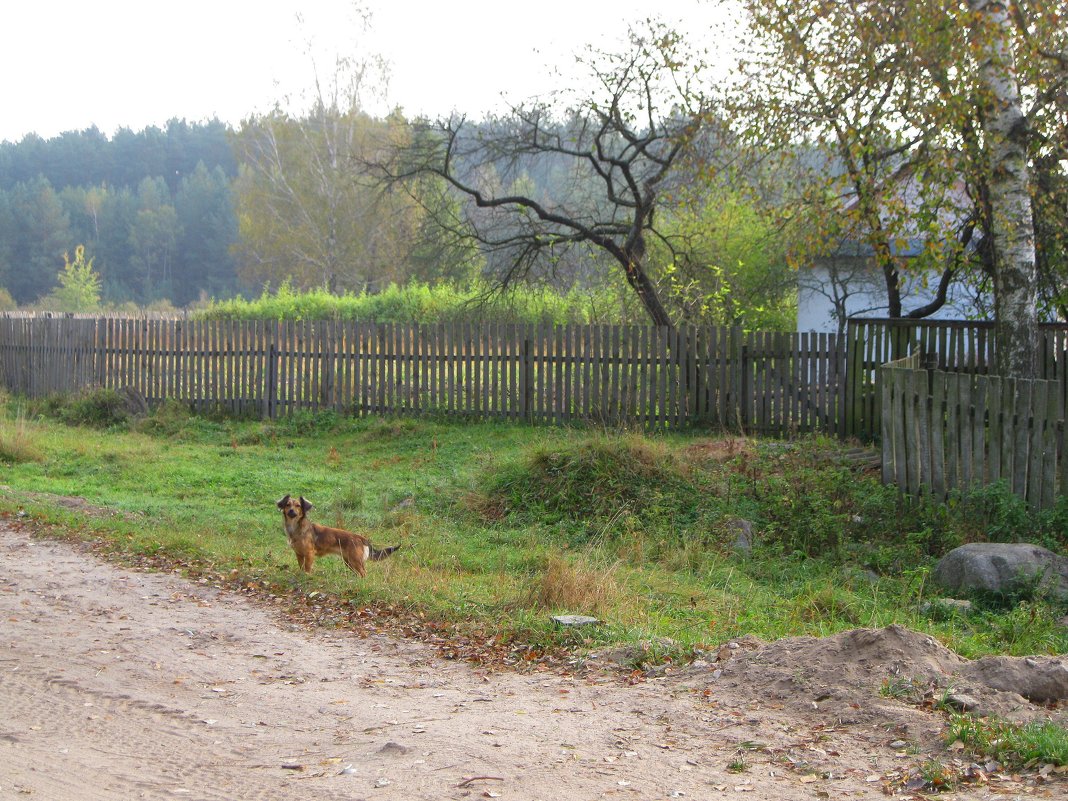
[(310, 540)]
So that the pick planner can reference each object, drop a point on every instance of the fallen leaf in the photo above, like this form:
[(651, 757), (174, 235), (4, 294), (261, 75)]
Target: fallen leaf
[(808, 778)]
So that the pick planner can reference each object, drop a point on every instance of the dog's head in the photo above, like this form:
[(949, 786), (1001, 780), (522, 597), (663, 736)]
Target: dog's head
[(294, 508)]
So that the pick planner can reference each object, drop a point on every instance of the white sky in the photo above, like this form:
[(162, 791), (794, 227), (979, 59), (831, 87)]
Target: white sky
[(70, 64)]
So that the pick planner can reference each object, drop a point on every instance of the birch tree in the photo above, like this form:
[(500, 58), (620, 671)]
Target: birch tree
[(921, 122)]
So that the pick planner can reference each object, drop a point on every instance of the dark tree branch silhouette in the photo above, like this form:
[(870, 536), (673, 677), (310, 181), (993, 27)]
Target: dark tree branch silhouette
[(616, 149)]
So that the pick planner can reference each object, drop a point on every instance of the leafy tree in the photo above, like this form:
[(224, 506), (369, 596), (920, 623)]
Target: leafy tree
[(79, 286), (908, 108), (729, 265), (306, 207)]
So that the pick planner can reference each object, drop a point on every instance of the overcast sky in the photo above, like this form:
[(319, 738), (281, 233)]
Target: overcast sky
[(113, 63)]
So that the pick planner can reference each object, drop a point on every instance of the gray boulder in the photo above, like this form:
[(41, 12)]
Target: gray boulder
[(744, 534), (1042, 680), (1002, 568)]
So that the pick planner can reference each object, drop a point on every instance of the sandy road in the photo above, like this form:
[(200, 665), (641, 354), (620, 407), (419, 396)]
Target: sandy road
[(121, 685)]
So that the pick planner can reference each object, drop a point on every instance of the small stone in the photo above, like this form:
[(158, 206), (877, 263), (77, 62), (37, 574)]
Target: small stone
[(898, 744), (962, 702)]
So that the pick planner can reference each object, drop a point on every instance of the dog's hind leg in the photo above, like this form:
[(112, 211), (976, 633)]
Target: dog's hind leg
[(353, 555)]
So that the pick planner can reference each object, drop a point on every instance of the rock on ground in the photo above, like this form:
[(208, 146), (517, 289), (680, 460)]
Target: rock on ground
[(1001, 568)]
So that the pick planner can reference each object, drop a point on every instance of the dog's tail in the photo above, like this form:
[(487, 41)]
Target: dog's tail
[(382, 553)]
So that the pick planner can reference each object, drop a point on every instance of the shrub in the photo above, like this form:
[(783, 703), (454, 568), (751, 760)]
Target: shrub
[(96, 408), (597, 484)]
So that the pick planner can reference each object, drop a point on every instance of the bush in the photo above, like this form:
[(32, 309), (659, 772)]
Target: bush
[(605, 485), (96, 408)]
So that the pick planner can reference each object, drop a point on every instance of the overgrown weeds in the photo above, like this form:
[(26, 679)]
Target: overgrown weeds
[(18, 440)]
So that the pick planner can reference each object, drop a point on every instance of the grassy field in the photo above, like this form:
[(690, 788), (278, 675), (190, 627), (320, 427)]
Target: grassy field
[(503, 525)]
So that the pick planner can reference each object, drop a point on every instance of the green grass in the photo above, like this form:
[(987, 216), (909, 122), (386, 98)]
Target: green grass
[(1014, 746), (503, 525)]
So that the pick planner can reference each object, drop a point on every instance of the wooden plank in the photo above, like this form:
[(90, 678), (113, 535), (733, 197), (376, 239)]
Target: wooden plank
[(568, 376), (672, 366), (1049, 447), (633, 336), (994, 414), (900, 417), (953, 476), (1021, 421), (1040, 392), (966, 421), (978, 430), (1008, 430), (890, 421), (938, 435), (913, 449), (291, 360), (660, 356)]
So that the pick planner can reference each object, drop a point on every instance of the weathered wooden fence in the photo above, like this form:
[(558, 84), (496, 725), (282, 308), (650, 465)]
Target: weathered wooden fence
[(951, 345), (772, 383), (944, 432)]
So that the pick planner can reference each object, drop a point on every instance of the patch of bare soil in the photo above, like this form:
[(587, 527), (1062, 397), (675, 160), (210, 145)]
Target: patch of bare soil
[(116, 684), (72, 502), (858, 676)]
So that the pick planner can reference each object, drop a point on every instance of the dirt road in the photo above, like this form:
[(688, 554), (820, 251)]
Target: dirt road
[(121, 685)]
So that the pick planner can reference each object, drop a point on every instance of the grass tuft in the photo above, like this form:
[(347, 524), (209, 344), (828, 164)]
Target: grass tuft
[(18, 440), (586, 588), (1013, 745)]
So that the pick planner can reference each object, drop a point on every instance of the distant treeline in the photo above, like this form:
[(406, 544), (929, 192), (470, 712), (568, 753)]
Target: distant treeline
[(153, 208), (89, 158)]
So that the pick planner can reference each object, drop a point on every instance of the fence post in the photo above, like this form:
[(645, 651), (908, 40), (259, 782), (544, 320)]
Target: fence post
[(526, 380), (270, 388), (853, 373)]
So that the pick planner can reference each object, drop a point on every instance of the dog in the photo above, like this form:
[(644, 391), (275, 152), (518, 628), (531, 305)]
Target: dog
[(310, 540)]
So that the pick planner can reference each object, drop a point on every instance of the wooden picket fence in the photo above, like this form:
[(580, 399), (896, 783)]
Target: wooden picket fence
[(952, 432), (777, 384), (951, 345)]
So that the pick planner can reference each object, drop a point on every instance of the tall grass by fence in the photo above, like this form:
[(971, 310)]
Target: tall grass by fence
[(943, 432), (772, 383)]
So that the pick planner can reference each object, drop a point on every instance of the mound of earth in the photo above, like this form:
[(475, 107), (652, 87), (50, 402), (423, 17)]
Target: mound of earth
[(843, 674)]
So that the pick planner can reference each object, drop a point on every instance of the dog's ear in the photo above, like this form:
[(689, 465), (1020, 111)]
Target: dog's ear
[(282, 502), (305, 504)]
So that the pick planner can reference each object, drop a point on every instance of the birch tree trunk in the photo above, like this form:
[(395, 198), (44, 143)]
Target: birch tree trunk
[(1005, 127)]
